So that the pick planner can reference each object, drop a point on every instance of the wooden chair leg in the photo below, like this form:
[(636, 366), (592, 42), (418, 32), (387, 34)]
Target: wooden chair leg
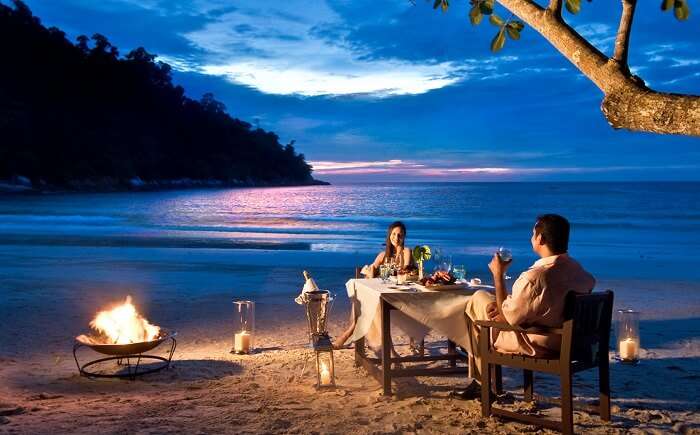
[(452, 350), (604, 383), (485, 373), (567, 408), (528, 385), (497, 379)]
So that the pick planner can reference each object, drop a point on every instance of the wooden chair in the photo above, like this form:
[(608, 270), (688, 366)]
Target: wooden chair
[(585, 337)]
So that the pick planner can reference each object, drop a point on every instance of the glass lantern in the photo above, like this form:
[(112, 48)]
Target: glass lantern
[(243, 327), (325, 369), (628, 343)]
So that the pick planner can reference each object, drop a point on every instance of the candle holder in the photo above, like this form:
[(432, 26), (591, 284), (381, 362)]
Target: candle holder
[(628, 342), (325, 369), (243, 327)]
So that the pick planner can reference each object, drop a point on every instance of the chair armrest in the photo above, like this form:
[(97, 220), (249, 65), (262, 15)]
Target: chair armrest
[(508, 327)]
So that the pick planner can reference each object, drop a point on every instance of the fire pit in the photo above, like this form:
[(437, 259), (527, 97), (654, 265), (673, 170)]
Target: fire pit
[(125, 335)]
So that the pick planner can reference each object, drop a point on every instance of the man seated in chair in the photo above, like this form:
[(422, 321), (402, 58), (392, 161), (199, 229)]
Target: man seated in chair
[(537, 298)]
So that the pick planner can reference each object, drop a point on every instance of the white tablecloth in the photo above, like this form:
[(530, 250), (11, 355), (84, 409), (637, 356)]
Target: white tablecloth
[(417, 312)]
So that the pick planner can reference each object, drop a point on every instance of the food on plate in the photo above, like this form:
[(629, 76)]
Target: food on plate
[(440, 277), (408, 270)]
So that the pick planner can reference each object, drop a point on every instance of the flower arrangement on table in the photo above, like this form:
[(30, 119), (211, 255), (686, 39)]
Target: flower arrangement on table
[(421, 254)]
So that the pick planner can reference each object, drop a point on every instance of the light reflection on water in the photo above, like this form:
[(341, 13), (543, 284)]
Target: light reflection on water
[(468, 218)]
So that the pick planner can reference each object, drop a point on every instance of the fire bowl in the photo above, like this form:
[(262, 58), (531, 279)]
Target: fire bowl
[(123, 349), (128, 357)]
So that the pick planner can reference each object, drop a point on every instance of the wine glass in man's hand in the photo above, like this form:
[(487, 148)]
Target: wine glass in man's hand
[(506, 256)]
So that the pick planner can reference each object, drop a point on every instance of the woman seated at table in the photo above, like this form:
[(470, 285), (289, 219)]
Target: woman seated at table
[(395, 253)]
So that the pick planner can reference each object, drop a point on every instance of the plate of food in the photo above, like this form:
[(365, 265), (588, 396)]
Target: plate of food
[(442, 280)]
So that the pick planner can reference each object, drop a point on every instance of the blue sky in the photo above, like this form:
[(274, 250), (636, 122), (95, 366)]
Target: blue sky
[(392, 91)]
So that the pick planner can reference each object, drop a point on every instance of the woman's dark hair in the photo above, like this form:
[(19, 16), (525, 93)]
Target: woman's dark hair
[(389, 251), (554, 230)]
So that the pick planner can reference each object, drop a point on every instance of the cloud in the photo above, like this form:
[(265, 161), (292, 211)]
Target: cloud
[(599, 34), (362, 167), (379, 79), (436, 170), (284, 49), (684, 62)]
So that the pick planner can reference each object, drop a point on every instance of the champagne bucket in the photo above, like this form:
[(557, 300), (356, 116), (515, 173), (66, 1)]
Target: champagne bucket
[(318, 305)]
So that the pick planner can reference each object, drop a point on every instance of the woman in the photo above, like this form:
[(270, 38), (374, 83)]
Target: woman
[(395, 253)]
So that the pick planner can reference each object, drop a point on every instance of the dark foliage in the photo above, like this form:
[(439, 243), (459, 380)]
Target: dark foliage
[(81, 112)]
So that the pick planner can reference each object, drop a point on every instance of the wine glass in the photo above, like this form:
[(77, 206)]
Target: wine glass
[(459, 271), (505, 255), (446, 263)]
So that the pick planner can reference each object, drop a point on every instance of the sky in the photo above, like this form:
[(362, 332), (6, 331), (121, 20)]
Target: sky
[(393, 90)]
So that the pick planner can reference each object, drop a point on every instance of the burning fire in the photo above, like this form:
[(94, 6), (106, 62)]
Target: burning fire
[(123, 325)]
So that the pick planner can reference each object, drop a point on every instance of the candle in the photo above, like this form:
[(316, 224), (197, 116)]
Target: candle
[(325, 374), (628, 349), (241, 342)]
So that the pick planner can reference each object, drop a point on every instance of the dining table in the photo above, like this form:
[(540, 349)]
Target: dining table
[(416, 310)]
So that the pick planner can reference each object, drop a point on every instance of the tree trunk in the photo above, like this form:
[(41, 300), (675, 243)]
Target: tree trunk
[(628, 103)]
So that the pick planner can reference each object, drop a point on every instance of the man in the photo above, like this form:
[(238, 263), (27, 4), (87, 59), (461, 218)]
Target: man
[(537, 298)]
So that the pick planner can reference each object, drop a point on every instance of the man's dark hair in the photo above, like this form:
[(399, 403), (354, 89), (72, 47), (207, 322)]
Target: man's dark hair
[(555, 232)]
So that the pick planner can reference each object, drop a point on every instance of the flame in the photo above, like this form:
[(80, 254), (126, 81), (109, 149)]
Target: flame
[(123, 324), (325, 374)]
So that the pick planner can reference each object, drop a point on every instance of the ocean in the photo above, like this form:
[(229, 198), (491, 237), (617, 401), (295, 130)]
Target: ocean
[(184, 256), (648, 231)]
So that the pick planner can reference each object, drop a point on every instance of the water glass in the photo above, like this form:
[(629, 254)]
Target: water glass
[(459, 271), (384, 271)]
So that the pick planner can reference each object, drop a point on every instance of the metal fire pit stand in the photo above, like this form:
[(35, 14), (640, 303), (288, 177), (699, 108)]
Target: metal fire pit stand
[(133, 369)]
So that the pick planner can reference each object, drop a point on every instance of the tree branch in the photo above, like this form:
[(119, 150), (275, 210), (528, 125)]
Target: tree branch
[(628, 103), (622, 41), (555, 7)]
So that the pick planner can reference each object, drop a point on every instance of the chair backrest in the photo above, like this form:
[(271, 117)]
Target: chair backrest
[(590, 316)]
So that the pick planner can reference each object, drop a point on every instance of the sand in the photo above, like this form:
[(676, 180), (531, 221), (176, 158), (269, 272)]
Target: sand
[(210, 390)]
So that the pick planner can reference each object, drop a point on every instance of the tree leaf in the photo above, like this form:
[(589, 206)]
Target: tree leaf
[(496, 20), (513, 33), (475, 16), (486, 7), (517, 25), (573, 6), (498, 41), (666, 4), (445, 5), (437, 4), (681, 11)]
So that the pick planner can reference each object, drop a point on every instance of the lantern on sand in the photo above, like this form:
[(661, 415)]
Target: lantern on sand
[(628, 343), (325, 369), (243, 326)]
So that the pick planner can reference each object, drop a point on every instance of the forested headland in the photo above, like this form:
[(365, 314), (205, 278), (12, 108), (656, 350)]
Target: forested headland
[(80, 116)]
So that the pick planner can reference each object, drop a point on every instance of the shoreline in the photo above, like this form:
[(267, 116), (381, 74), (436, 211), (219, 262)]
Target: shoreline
[(137, 185)]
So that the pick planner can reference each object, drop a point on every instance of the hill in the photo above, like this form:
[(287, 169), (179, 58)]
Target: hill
[(80, 116)]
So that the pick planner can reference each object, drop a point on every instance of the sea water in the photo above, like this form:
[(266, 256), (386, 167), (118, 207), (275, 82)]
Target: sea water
[(638, 230)]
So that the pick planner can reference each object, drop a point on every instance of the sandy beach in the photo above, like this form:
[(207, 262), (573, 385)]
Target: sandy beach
[(210, 390)]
